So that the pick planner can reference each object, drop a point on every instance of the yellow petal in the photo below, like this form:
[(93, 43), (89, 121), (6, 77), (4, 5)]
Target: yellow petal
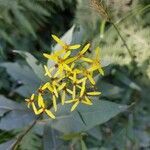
[(74, 77), (51, 56), (86, 47), (67, 67), (32, 97), (55, 91), (40, 101), (50, 114), (57, 73), (63, 98), (82, 89), (91, 79), (101, 71), (94, 67), (93, 93), (58, 40), (72, 66), (70, 60), (45, 86), (34, 109), (61, 86), (66, 55), (86, 59), (39, 111), (50, 88), (74, 106), (87, 101), (69, 91), (81, 80), (74, 46), (74, 92), (71, 101), (54, 103)]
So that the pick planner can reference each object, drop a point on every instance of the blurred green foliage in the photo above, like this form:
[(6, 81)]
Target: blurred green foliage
[(26, 26)]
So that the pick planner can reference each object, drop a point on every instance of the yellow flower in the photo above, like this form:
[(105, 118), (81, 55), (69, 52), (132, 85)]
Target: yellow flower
[(43, 108), (95, 62), (89, 75), (83, 97), (65, 46), (61, 64), (30, 102), (48, 71)]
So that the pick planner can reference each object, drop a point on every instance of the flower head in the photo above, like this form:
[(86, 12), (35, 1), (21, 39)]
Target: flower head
[(69, 79)]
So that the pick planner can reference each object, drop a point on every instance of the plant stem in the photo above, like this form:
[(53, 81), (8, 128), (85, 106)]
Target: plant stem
[(123, 40), (19, 139)]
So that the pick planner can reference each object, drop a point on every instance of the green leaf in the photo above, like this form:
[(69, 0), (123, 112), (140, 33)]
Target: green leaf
[(7, 145), (100, 112), (24, 75), (8, 105), (83, 146), (124, 79), (16, 119), (51, 138), (33, 63), (31, 142), (16, 115)]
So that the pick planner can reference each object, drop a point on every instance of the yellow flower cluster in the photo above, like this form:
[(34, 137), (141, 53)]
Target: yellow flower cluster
[(70, 79)]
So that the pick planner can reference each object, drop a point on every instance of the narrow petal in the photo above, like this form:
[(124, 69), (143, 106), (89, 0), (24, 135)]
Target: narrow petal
[(34, 109), (61, 86), (74, 77), (82, 88), (55, 91), (86, 47), (91, 79), (58, 40), (69, 91), (32, 97), (81, 80), (86, 59), (40, 101), (74, 46), (101, 71), (50, 114), (39, 111), (50, 88), (93, 68), (72, 66), (87, 101), (66, 55), (63, 97), (74, 92), (71, 101), (93, 93), (54, 103), (45, 86), (70, 60), (74, 106), (67, 67)]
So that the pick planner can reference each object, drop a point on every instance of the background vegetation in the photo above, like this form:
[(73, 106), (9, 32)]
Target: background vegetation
[(121, 119)]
